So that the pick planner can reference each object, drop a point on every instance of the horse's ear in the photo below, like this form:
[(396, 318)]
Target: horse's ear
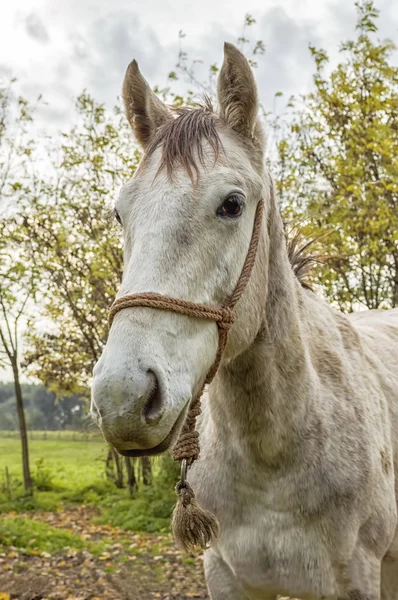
[(144, 110), (237, 92)]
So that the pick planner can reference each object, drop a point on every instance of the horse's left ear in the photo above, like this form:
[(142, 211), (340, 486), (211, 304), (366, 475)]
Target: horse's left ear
[(144, 110), (237, 92)]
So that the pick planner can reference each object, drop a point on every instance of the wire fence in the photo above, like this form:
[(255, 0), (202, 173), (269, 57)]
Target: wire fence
[(64, 435)]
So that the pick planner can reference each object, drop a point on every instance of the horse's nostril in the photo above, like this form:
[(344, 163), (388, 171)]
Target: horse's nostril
[(152, 409)]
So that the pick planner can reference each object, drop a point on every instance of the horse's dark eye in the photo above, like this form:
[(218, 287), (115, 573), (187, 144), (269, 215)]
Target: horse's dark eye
[(231, 207), (117, 217)]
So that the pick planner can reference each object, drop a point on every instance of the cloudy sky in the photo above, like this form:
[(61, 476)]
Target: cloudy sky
[(60, 47)]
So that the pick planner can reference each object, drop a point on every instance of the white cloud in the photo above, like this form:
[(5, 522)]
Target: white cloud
[(36, 29), (59, 49)]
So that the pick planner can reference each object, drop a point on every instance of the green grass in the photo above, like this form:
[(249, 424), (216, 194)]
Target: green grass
[(31, 536), (63, 471), (150, 511), (80, 463), (67, 472)]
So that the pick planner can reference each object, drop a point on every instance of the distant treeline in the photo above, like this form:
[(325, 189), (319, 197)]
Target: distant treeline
[(43, 410)]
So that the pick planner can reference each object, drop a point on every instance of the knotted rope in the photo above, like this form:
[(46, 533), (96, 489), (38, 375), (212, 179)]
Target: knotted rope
[(192, 525)]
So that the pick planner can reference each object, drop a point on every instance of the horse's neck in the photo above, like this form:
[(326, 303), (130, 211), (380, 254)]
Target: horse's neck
[(265, 394)]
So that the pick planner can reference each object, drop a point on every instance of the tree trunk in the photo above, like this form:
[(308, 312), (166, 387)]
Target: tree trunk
[(119, 469), (146, 470), (109, 466), (395, 287), (27, 479), (131, 480)]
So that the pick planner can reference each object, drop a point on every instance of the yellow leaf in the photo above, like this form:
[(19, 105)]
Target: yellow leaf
[(105, 556)]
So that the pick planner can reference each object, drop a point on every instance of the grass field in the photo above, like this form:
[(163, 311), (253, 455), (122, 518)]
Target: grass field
[(78, 535), (67, 471), (71, 462)]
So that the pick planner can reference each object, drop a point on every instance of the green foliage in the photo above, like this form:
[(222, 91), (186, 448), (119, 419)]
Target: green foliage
[(69, 473), (43, 476), (18, 274), (16, 145), (33, 536), (76, 245), (244, 43), (337, 166), (93, 493), (20, 502), (73, 465), (151, 509)]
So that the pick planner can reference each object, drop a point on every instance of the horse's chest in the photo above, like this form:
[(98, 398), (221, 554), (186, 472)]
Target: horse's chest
[(268, 550), (274, 554)]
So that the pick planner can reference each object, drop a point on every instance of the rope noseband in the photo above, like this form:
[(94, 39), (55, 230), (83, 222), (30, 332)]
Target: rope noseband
[(191, 524)]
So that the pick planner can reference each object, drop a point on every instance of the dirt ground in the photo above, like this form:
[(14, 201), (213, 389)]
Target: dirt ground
[(134, 567)]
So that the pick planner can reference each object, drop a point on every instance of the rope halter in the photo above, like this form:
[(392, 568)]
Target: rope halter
[(192, 525)]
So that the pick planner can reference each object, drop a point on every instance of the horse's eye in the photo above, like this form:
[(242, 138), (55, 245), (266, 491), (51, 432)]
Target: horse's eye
[(117, 216), (231, 207)]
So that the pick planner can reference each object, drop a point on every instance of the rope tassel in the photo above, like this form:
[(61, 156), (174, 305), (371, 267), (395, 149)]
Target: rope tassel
[(192, 525)]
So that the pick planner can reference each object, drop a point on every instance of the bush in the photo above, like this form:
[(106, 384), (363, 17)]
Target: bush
[(43, 476), (151, 509), (33, 535), (40, 501), (89, 494), (142, 514)]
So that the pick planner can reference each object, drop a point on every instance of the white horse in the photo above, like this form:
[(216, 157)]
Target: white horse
[(299, 432)]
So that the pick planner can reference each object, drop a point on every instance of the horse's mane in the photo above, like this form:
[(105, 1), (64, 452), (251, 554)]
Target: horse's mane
[(181, 139), (301, 259), (181, 142)]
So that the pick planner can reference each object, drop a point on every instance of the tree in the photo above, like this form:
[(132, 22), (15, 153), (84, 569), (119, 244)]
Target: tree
[(17, 283), (16, 289), (337, 165), (77, 246)]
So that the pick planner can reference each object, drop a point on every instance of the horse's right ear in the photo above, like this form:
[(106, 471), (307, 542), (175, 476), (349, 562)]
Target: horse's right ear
[(237, 93), (144, 111)]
